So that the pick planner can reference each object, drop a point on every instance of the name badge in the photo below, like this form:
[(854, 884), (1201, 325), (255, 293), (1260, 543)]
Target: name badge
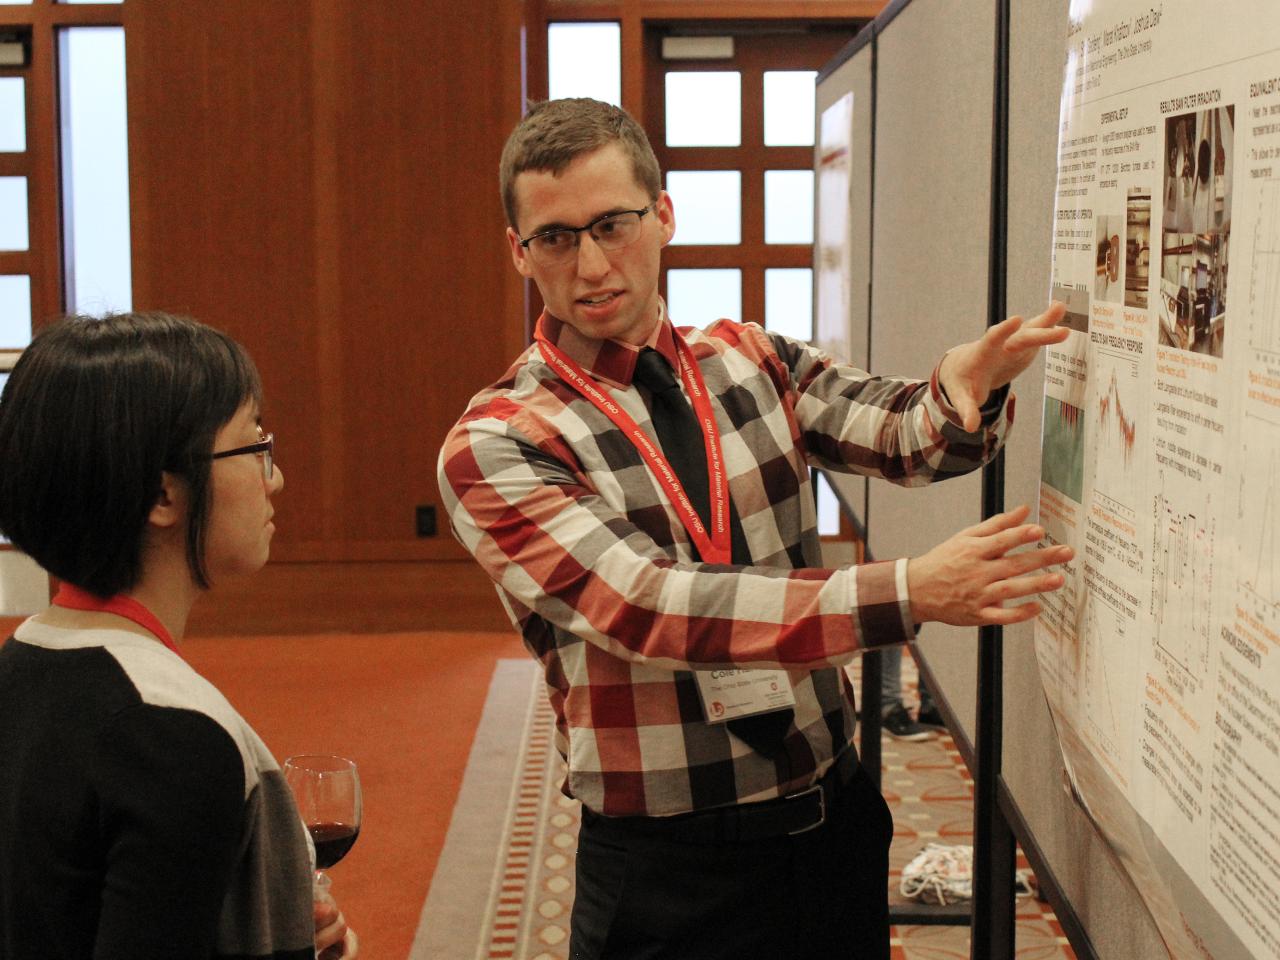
[(729, 694)]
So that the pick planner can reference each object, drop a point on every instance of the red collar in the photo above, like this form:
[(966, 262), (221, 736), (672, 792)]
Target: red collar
[(73, 598)]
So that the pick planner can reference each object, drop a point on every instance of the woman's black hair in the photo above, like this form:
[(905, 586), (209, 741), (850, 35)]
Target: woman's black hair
[(93, 413)]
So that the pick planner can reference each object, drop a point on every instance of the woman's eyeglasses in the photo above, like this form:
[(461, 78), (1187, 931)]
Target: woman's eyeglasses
[(262, 449)]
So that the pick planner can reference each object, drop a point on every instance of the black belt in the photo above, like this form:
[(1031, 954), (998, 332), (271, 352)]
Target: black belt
[(793, 814)]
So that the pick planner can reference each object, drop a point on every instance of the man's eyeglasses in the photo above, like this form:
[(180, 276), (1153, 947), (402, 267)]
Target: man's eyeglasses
[(613, 231), (263, 449)]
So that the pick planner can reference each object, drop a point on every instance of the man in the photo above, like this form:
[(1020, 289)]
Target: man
[(668, 581)]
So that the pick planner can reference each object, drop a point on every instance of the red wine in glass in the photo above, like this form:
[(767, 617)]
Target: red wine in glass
[(332, 841)]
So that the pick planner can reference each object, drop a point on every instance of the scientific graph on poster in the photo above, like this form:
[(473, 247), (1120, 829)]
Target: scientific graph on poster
[(1115, 427), (1258, 558), (1264, 277), (1062, 449), (1182, 567), (1160, 659), (1108, 710)]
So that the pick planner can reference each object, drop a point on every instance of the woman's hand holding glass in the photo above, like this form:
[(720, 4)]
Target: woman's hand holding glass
[(327, 792)]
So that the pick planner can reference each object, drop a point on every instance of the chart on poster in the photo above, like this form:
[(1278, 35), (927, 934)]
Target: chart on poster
[(1161, 458)]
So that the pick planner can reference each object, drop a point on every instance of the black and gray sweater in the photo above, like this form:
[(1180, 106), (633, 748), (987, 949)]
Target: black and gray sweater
[(140, 816)]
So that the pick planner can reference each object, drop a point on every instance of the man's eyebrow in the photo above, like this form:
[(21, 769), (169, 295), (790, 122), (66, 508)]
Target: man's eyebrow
[(561, 225), (547, 228)]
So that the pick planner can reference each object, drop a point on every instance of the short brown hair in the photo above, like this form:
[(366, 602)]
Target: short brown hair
[(554, 133)]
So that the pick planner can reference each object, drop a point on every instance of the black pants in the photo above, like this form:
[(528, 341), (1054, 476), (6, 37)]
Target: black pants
[(821, 894)]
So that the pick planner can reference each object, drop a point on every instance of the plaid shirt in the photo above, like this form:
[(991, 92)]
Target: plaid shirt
[(596, 571)]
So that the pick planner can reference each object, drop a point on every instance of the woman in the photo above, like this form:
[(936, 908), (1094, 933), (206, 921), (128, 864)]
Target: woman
[(140, 816)]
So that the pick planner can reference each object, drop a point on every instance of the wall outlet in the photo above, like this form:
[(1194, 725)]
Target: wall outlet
[(425, 519)]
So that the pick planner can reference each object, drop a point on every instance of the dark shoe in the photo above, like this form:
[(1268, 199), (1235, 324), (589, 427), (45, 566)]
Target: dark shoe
[(930, 717), (898, 724)]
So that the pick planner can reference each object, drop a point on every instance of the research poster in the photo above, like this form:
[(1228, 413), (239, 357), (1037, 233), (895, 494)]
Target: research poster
[(1161, 458)]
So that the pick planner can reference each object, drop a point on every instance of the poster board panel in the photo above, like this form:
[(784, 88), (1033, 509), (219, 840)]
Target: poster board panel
[(930, 264)]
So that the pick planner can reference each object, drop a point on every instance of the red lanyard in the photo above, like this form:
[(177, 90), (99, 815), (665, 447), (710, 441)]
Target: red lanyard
[(713, 548), (73, 598)]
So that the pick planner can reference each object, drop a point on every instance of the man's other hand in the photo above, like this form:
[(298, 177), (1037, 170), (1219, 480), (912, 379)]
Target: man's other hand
[(972, 370), (967, 579)]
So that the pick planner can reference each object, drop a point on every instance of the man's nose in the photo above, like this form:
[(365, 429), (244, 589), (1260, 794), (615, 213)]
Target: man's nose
[(592, 261)]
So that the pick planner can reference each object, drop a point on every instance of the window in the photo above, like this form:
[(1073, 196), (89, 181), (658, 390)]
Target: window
[(789, 97), (13, 115), (13, 213), (788, 206), (696, 298), (703, 109), (95, 170), (828, 507), (584, 60), (788, 301), (15, 311), (708, 205)]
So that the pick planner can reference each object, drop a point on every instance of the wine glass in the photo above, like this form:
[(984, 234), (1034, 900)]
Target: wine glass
[(327, 792)]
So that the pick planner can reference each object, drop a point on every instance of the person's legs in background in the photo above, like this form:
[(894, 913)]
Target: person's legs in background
[(929, 715), (895, 719)]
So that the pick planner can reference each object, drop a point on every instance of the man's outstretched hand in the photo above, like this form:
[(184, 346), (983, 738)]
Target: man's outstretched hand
[(966, 579), (972, 370)]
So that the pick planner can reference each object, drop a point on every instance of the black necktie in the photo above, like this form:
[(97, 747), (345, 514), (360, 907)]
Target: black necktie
[(681, 439)]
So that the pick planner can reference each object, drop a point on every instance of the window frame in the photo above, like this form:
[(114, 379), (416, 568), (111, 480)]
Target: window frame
[(37, 25)]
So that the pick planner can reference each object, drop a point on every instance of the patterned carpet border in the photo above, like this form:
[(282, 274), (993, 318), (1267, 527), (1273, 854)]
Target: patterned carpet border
[(464, 902)]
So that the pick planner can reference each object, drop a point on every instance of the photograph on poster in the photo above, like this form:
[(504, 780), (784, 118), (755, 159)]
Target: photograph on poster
[(1199, 148), (1193, 291), (1197, 178), (1137, 247), (1107, 283)]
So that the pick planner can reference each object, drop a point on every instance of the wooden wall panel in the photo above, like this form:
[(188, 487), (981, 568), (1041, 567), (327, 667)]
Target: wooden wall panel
[(320, 181), (221, 159), (422, 288)]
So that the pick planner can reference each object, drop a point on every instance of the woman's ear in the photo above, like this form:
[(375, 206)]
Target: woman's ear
[(170, 508)]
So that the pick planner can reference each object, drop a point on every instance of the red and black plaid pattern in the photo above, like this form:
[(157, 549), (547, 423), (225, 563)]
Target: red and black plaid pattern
[(595, 568)]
